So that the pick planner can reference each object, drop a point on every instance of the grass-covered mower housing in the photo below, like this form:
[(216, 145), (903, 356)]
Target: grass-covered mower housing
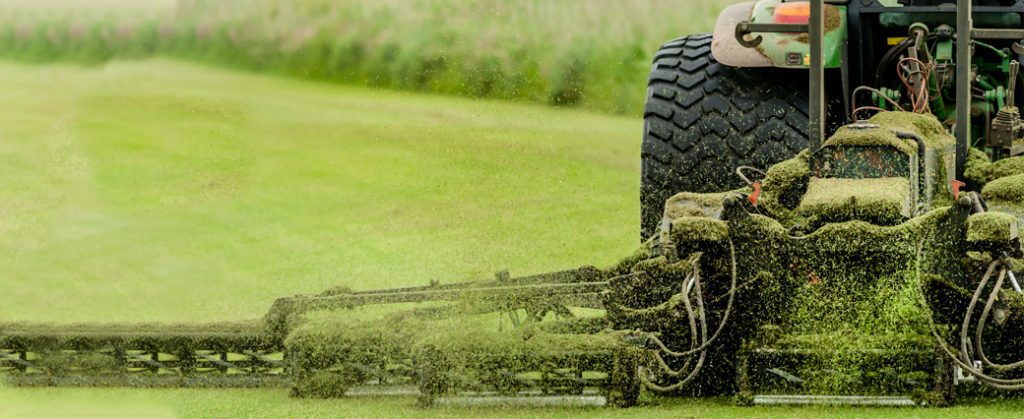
[(851, 261), (542, 335), (871, 221)]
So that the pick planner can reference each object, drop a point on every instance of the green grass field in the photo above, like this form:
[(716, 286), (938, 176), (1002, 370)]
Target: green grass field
[(159, 191), (162, 191), (276, 404)]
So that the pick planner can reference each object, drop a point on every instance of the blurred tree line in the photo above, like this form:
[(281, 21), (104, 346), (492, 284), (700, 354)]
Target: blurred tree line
[(589, 53)]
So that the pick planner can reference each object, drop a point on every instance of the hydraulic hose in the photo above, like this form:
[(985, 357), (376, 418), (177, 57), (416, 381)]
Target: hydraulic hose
[(694, 278), (963, 360), (966, 325), (983, 320), (705, 341), (666, 369), (725, 317)]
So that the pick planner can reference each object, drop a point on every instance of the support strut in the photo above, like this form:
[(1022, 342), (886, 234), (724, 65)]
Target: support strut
[(964, 25), (816, 113)]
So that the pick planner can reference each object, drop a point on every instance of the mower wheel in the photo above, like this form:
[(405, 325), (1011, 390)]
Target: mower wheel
[(703, 119)]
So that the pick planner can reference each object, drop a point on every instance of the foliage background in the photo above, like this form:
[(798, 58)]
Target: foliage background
[(590, 53)]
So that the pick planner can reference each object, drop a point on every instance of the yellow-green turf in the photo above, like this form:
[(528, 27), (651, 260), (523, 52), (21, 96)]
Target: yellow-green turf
[(162, 191), (240, 403)]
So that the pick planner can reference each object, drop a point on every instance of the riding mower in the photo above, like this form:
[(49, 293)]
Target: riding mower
[(853, 242)]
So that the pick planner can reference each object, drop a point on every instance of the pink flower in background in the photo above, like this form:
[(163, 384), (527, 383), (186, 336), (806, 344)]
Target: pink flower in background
[(76, 31), (234, 35), (299, 37), (166, 30), (125, 31), (204, 30), (23, 31)]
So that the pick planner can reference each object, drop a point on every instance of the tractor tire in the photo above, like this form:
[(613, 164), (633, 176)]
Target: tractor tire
[(702, 119)]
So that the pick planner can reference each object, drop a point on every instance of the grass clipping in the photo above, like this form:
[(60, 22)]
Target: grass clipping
[(982, 171), (458, 351), (881, 201), (924, 126), (1007, 189)]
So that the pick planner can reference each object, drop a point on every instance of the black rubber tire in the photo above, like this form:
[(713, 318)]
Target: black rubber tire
[(703, 119)]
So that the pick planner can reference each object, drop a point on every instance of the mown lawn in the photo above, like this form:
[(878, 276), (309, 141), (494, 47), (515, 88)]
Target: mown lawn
[(160, 191), (163, 191), (239, 403)]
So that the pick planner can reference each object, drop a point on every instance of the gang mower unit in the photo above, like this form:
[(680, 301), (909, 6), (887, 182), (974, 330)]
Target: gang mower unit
[(853, 242)]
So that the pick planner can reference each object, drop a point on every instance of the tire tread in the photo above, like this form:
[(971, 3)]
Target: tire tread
[(702, 119)]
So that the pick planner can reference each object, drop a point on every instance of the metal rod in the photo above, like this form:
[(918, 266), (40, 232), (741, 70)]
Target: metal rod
[(535, 401), (220, 362), (894, 401), (148, 361), (1012, 88), (816, 111), (150, 381), (571, 275), (1013, 281), (1010, 34), (16, 360), (553, 289), (964, 25)]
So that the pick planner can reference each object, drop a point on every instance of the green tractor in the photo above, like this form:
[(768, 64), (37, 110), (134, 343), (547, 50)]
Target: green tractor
[(869, 215), (739, 96), (853, 242)]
